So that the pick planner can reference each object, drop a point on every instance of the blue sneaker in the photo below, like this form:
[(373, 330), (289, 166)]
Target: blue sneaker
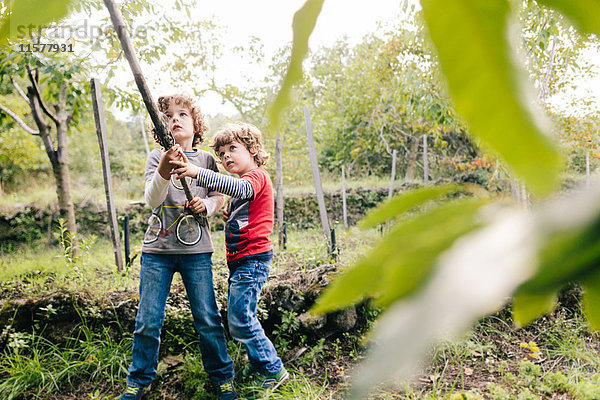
[(225, 391), (132, 393)]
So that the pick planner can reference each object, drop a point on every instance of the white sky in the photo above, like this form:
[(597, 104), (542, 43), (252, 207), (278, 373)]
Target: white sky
[(271, 21)]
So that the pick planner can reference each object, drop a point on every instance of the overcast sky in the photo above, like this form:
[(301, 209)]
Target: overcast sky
[(271, 21)]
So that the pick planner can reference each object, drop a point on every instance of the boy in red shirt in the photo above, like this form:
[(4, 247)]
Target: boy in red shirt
[(249, 250)]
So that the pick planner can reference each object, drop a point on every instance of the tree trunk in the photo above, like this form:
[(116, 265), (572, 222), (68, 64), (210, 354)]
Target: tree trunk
[(412, 158), (63, 179), (63, 189), (58, 158)]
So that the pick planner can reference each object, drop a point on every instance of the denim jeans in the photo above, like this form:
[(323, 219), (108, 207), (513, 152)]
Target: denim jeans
[(245, 285), (156, 275)]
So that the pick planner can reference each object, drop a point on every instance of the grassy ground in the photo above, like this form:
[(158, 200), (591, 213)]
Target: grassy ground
[(557, 357)]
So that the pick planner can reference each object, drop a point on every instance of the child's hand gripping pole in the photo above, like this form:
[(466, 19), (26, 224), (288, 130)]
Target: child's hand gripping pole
[(163, 134)]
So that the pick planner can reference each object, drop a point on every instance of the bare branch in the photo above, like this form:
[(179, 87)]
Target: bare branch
[(38, 94), (213, 87), (19, 90), (19, 120)]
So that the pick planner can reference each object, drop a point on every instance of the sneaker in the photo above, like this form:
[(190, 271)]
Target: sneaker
[(271, 381), (225, 391), (132, 393)]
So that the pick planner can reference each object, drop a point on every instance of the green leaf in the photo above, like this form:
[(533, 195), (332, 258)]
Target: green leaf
[(31, 14), (470, 37), (303, 25), (591, 300), (566, 256), (582, 13), (528, 307), (404, 259), (405, 201)]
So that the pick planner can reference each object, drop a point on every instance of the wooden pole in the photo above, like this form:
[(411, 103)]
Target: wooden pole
[(587, 168), (98, 106), (344, 202), (317, 178), (126, 239), (143, 130), (425, 161), (279, 190), (393, 177), (161, 130)]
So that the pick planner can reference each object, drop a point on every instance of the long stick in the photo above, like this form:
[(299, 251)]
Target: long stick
[(164, 136)]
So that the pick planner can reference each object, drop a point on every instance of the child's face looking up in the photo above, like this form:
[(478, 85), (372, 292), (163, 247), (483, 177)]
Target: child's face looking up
[(236, 158), (181, 125)]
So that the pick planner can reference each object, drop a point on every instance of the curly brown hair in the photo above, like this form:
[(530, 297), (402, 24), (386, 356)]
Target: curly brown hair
[(246, 134), (184, 100)]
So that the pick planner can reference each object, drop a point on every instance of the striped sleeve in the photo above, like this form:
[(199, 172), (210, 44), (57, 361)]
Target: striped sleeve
[(234, 187)]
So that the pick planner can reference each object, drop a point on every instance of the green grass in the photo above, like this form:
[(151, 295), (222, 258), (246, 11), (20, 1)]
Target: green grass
[(41, 269), (34, 366)]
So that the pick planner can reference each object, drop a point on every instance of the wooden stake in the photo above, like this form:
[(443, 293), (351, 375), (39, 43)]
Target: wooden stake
[(279, 190), (587, 168), (317, 178), (98, 106), (425, 161), (143, 130), (344, 202), (393, 177)]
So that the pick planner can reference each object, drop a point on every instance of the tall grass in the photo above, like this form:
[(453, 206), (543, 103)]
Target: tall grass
[(41, 268), (33, 365)]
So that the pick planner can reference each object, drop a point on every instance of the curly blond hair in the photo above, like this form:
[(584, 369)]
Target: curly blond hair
[(184, 100), (246, 134)]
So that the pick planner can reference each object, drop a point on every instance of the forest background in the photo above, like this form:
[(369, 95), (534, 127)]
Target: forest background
[(366, 100)]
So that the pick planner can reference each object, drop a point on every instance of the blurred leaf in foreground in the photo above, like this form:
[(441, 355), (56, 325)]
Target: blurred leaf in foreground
[(31, 14), (591, 299), (405, 202), (476, 59), (477, 275), (303, 25), (583, 13), (391, 271)]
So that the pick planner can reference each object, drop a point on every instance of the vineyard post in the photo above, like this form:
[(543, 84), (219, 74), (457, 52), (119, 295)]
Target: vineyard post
[(126, 239), (279, 189), (317, 178), (393, 177), (587, 168), (344, 203), (425, 161), (144, 134), (98, 106)]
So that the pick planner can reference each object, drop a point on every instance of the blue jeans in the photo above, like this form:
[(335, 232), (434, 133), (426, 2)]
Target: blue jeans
[(156, 275), (245, 285)]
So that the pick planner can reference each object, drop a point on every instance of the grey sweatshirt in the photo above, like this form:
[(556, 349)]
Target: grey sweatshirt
[(171, 229)]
